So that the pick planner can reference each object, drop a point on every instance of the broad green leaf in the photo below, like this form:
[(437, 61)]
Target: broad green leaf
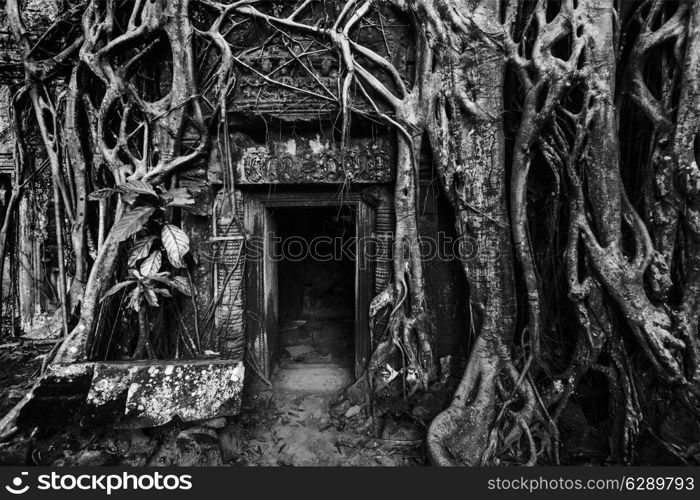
[(151, 296), (152, 264), (131, 222), (130, 197), (137, 186), (176, 244), (101, 194), (140, 250), (163, 291), (116, 288), (181, 203), (179, 283)]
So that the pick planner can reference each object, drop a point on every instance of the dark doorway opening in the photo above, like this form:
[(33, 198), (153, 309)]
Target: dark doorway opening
[(316, 275), (268, 217)]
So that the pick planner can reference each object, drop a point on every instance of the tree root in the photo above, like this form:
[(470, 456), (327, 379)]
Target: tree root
[(473, 430)]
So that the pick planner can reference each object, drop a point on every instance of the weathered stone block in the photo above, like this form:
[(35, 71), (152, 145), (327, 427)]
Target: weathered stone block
[(150, 394)]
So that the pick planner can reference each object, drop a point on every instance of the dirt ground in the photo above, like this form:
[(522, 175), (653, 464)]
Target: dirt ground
[(286, 424), (294, 421), (298, 428)]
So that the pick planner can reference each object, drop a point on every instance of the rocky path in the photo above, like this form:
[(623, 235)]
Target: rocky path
[(301, 428), (296, 422)]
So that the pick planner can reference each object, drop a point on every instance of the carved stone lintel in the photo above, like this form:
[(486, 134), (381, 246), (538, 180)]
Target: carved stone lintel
[(302, 161)]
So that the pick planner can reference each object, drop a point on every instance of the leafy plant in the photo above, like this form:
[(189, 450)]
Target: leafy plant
[(147, 205), (148, 288), (145, 221)]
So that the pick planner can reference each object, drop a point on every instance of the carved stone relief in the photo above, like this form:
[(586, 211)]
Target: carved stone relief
[(227, 249), (302, 161)]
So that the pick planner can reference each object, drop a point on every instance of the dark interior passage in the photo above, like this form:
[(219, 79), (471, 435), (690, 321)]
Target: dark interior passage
[(316, 285)]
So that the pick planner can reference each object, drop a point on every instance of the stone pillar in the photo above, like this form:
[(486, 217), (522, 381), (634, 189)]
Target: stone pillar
[(384, 233), (227, 243)]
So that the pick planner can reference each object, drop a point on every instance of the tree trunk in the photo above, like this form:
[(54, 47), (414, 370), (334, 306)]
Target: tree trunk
[(471, 163)]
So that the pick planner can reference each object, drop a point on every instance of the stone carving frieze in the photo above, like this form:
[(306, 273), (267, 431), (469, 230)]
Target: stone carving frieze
[(300, 161)]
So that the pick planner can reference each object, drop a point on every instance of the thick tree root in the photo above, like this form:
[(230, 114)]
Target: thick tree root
[(472, 430)]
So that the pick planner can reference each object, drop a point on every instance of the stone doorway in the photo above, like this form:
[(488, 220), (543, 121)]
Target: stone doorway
[(316, 282), (302, 310)]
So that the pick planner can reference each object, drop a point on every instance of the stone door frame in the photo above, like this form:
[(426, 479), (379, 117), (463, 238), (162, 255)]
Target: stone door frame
[(258, 328)]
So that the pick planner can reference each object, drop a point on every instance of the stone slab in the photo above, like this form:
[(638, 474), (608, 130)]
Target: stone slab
[(315, 378), (149, 394)]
